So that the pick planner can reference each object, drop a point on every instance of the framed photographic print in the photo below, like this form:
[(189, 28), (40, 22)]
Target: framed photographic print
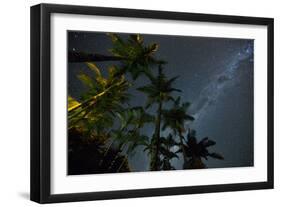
[(132, 103)]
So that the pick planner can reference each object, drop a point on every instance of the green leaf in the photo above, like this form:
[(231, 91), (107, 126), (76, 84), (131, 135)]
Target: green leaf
[(122, 119), (86, 80), (94, 68)]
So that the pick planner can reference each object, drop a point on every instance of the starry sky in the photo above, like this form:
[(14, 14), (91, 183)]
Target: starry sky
[(215, 76)]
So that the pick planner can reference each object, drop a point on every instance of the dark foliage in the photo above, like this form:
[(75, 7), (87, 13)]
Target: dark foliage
[(195, 151), (85, 155)]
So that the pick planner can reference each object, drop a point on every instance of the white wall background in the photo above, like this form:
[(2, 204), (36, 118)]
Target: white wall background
[(14, 103)]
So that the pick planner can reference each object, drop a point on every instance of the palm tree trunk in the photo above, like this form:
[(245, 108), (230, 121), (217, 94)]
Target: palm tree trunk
[(117, 155), (86, 57), (183, 150), (121, 148), (122, 163), (158, 134), (196, 163), (106, 152), (155, 156)]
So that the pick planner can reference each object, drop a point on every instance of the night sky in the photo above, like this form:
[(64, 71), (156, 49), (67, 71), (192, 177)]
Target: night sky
[(216, 77)]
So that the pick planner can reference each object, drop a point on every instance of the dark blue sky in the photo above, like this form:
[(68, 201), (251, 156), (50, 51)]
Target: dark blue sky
[(216, 77)]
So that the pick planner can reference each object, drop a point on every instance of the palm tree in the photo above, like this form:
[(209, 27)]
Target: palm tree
[(195, 151), (136, 57), (103, 97), (129, 136), (94, 117), (175, 118), (158, 92), (167, 152)]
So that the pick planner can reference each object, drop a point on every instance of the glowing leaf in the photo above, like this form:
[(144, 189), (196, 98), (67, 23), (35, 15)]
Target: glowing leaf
[(94, 68), (72, 103), (87, 81)]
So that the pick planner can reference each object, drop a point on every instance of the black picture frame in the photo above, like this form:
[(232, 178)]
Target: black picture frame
[(41, 95)]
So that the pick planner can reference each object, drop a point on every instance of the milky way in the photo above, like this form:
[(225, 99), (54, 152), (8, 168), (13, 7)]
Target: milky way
[(212, 91)]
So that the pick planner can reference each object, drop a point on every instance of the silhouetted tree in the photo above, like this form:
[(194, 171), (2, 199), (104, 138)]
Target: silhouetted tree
[(195, 151), (158, 92)]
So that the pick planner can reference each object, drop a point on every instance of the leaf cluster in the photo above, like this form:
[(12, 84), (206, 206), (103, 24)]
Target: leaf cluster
[(137, 58)]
